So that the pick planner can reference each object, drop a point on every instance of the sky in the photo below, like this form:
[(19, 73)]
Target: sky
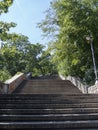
[(26, 14)]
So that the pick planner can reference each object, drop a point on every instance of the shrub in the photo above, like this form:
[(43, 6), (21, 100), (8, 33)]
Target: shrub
[(4, 75)]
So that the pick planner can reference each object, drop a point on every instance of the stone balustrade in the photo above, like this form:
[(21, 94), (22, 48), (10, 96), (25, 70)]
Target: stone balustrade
[(93, 89), (10, 85), (13, 83), (83, 88)]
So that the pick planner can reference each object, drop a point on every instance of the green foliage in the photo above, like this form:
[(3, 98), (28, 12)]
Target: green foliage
[(46, 65), (39, 60), (4, 5), (18, 73), (4, 29), (19, 55), (13, 53), (4, 75), (71, 21), (89, 77), (11, 58)]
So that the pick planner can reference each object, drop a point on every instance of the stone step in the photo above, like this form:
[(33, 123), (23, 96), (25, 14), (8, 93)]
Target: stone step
[(49, 106), (50, 125), (48, 117), (47, 86), (48, 101), (48, 129), (48, 111), (48, 81), (69, 109), (47, 96)]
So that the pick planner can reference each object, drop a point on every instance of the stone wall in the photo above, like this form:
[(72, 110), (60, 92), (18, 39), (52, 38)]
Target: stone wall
[(13, 83), (93, 89), (83, 88)]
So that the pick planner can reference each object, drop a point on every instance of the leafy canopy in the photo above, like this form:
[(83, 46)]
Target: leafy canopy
[(71, 21), (4, 5)]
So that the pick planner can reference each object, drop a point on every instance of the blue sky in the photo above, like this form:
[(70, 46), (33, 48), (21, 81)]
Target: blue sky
[(26, 14)]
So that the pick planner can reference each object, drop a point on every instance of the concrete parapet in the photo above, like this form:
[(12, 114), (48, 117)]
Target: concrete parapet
[(2, 87), (83, 88), (93, 89), (13, 83)]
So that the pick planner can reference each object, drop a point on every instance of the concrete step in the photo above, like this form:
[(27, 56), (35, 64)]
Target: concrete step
[(88, 124), (48, 96), (64, 108), (48, 117), (48, 81), (49, 106), (48, 111), (47, 86), (48, 101), (43, 112)]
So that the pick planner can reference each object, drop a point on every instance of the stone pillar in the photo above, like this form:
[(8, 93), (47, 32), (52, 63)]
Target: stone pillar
[(6, 88)]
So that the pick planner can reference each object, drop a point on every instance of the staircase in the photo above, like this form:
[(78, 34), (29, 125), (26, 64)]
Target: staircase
[(44, 106), (46, 86)]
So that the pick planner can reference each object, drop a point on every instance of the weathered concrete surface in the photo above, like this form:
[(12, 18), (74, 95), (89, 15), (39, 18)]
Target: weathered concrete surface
[(52, 86)]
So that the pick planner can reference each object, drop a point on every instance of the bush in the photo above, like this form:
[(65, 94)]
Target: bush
[(89, 77), (18, 73), (4, 75)]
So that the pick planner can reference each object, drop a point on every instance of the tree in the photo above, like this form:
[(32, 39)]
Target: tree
[(71, 22), (13, 53), (4, 5), (45, 64), (4, 75), (4, 30), (11, 59), (39, 60), (19, 55), (4, 27)]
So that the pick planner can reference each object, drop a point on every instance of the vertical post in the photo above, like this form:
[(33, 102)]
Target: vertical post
[(93, 57), (90, 39), (6, 88)]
